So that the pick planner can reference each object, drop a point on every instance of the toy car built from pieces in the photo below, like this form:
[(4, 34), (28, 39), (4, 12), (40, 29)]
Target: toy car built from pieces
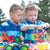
[(6, 38)]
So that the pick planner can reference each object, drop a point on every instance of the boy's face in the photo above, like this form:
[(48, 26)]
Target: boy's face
[(32, 15), (17, 15)]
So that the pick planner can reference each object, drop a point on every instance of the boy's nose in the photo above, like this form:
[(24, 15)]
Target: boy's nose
[(33, 17)]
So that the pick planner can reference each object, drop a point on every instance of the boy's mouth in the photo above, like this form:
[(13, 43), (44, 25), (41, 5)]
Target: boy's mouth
[(33, 20)]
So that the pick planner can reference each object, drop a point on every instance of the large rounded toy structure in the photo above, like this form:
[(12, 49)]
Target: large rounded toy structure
[(39, 35)]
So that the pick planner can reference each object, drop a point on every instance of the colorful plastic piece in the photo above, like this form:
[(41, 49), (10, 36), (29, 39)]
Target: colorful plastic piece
[(17, 39), (42, 46), (8, 48), (1, 47), (24, 47), (34, 36)]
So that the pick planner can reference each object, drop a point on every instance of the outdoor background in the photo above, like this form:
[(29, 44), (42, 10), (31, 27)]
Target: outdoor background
[(43, 14)]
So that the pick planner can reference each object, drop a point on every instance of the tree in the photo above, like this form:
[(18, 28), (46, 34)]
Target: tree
[(23, 4), (2, 18), (43, 14), (30, 1)]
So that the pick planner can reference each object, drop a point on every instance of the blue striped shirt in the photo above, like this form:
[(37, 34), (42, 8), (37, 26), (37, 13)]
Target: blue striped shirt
[(10, 28)]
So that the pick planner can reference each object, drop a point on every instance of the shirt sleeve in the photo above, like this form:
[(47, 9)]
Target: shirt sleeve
[(0, 29), (41, 22), (23, 32), (23, 23)]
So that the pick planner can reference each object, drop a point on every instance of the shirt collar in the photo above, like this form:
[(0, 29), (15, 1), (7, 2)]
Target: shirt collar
[(11, 24), (30, 22)]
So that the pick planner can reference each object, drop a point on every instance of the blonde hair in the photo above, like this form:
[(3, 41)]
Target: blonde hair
[(15, 7), (31, 7)]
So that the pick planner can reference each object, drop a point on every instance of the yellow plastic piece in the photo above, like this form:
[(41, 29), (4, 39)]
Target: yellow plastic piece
[(12, 44), (42, 46)]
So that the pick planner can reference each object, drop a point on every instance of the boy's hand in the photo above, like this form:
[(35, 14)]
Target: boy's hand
[(43, 25), (21, 37), (34, 26), (40, 27), (47, 25)]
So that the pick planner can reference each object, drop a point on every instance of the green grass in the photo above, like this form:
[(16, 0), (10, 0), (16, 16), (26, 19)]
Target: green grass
[(48, 36)]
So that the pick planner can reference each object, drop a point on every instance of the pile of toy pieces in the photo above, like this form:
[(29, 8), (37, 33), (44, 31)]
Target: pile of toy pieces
[(15, 46), (39, 36)]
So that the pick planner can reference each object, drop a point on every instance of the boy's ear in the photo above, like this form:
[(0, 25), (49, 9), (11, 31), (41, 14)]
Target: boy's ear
[(11, 14), (25, 15)]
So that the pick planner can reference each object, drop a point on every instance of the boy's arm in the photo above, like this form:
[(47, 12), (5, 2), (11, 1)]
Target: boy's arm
[(25, 27), (43, 25)]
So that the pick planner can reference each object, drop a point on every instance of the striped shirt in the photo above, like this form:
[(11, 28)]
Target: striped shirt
[(10, 28)]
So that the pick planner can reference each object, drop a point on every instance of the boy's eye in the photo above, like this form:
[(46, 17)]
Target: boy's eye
[(35, 15), (20, 15), (30, 15)]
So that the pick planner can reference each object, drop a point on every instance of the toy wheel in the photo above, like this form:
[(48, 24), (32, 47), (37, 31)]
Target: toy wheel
[(17, 39), (8, 48), (15, 47), (24, 47)]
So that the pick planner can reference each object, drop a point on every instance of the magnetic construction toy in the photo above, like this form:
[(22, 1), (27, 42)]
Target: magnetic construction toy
[(5, 38), (39, 35)]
